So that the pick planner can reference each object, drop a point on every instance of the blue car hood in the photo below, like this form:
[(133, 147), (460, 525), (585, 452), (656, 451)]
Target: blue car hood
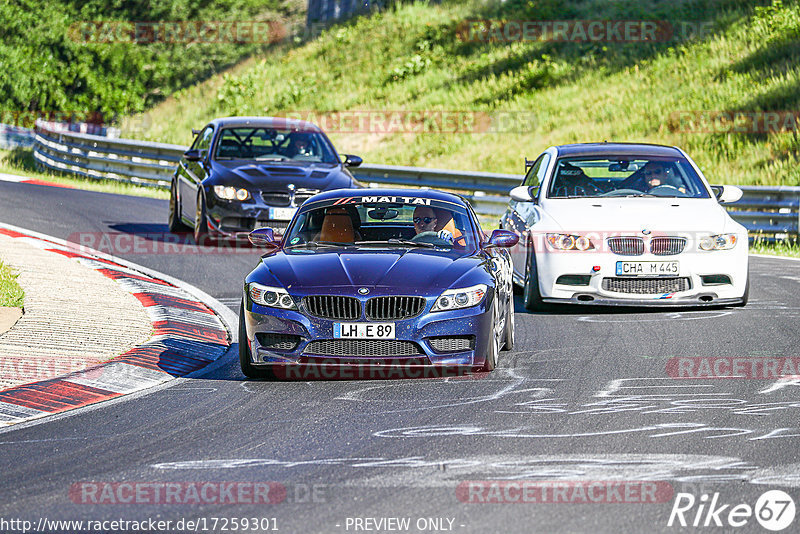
[(255, 175), (415, 271)]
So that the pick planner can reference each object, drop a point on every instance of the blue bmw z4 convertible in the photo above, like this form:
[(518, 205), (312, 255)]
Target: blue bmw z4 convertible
[(378, 278)]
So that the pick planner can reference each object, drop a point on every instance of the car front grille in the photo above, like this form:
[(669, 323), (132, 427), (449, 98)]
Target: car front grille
[(626, 246), (276, 198), (333, 307), (272, 341), (667, 246), (394, 308), (646, 286), (367, 348), (452, 343)]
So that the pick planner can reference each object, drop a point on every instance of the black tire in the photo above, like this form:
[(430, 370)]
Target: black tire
[(200, 222), (175, 223), (746, 295), (493, 349), (510, 327), (531, 296), (248, 369)]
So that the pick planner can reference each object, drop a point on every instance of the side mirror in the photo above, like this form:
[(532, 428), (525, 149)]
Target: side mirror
[(352, 161), (502, 238), (193, 155), (727, 193), (523, 193), (263, 237)]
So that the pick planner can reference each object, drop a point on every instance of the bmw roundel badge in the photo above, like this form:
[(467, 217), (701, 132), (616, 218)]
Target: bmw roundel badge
[(363, 290)]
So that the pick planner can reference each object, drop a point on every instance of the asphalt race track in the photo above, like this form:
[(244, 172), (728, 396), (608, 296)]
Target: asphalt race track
[(588, 396)]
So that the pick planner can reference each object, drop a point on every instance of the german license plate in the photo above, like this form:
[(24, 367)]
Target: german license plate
[(281, 214), (363, 330), (648, 268)]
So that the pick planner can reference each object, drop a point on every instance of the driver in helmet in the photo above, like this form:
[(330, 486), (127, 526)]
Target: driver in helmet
[(300, 145)]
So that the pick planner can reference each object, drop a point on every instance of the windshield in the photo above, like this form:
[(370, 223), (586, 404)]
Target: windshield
[(271, 144), (382, 221), (625, 177)]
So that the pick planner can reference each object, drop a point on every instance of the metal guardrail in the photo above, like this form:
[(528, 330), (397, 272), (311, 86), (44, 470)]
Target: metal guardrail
[(12, 137), (768, 211)]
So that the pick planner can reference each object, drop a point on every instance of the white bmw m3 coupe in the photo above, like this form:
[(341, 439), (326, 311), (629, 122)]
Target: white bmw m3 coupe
[(625, 224)]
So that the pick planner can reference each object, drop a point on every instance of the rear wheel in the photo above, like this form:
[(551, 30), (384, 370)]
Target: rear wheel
[(510, 326), (175, 223), (245, 358), (531, 296)]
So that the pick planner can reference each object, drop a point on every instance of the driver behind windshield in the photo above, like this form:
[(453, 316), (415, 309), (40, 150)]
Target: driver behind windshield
[(653, 174), (425, 221)]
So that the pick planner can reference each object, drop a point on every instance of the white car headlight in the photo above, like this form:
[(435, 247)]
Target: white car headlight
[(455, 299), (274, 297), (226, 192), (718, 242), (569, 242)]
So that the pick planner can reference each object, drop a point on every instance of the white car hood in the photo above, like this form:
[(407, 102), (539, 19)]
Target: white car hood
[(632, 215)]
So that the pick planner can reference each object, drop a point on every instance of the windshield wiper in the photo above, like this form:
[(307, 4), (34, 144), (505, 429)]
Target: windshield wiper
[(410, 243), (317, 244)]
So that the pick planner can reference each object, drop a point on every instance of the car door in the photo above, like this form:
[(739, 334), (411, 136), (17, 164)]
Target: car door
[(521, 216), (192, 173)]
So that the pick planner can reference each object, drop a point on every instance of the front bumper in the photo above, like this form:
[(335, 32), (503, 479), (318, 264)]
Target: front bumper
[(474, 325), (235, 220), (699, 273)]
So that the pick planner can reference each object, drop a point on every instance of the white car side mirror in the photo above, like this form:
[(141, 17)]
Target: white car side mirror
[(728, 194), (521, 193)]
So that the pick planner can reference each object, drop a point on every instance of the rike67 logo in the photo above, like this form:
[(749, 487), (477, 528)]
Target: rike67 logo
[(774, 510)]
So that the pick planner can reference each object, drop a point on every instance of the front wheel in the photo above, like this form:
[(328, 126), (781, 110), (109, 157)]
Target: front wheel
[(200, 222), (531, 296), (493, 350), (245, 358), (510, 327), (175, 223), (745, 296)]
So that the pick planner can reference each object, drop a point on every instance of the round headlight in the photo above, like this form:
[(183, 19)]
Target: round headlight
[(229, 193), (270, 297), (461, 299), (583, 243), (242, 194), (444, 302), (565, 242), (286, 301), (707, 243)]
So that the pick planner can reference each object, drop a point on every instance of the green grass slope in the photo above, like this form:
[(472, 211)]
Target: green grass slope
[(411, 58)]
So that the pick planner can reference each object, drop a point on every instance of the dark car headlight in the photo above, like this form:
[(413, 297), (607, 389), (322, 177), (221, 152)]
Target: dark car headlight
[(274, 297), (226, 192), (456, 299)]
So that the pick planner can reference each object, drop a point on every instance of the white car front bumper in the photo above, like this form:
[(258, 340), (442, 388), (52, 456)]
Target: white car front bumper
[(704, 278)]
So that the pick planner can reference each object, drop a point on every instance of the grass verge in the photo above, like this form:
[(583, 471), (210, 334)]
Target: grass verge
[(20, 162), (787, 248), (11, 293)]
